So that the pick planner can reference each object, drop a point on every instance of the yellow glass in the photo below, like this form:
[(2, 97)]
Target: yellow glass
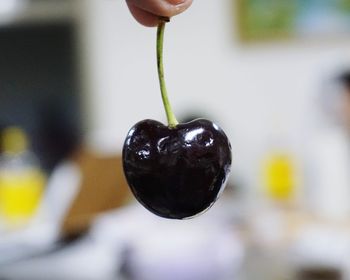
[(20, 195), (279, 177)]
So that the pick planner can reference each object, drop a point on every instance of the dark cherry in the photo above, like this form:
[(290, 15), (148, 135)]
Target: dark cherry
[(176, 172)]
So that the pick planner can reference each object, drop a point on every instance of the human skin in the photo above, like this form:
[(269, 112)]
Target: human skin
[(147, 12)]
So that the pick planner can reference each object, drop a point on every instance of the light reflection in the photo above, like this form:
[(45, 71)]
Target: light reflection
[(144, 154), (215, 126), (190, 136), (161, 144)]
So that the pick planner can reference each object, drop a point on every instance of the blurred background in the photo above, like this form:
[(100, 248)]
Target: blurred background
[(76, 75)]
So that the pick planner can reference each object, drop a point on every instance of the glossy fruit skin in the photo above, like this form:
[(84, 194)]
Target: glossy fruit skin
[(179, 172)]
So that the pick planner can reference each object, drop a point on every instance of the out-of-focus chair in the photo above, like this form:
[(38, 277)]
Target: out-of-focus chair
[(103, 188)]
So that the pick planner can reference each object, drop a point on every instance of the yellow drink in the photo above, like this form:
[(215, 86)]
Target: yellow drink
[(279, 177), (21, 179), (20, 195)]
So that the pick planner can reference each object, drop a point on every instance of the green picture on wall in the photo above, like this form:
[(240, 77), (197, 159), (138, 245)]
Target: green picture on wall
[(261, 20)]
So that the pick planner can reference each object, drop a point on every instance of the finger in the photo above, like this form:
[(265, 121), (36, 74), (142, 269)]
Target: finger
[(143, 17), (166, 8)]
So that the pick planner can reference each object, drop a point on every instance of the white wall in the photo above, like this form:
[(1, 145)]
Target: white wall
[(249, 90)]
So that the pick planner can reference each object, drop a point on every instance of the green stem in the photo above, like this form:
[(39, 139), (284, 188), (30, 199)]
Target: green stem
[(172, 122)]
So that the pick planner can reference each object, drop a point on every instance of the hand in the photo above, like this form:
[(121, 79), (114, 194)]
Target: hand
[(147, 12)]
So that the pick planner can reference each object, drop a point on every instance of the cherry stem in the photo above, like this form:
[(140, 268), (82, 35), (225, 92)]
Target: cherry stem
[(172, 122)]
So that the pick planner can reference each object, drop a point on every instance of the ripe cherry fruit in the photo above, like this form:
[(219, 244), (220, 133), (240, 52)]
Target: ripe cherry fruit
[(176, 171)]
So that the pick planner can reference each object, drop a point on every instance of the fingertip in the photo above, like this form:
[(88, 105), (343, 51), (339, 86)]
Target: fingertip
[(166, 8), (143, 17), (183, 6)]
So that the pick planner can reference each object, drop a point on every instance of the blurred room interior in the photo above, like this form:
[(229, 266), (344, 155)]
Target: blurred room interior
[(75, 75)]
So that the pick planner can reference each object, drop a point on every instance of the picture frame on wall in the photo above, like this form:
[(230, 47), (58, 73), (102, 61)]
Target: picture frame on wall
[(270, 20)]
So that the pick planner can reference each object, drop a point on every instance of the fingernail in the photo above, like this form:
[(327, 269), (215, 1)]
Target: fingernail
[(176, 2)]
